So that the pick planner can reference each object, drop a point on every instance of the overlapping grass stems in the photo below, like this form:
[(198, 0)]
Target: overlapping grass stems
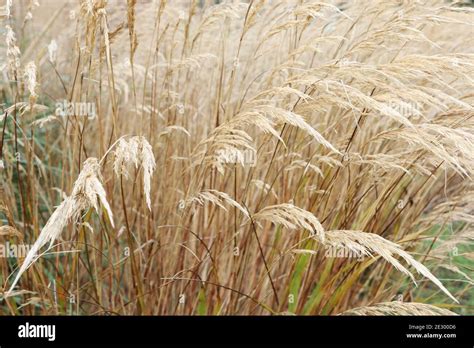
[(359, 115)]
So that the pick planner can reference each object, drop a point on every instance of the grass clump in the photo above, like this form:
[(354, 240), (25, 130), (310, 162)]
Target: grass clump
[(246, 157)]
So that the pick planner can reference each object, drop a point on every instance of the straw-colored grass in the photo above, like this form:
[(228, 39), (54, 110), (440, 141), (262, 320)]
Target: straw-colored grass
[(399, 308), (186, 157)]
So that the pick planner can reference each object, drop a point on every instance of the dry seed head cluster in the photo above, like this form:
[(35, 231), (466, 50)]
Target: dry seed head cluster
[(136, 151), (86, 193)]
